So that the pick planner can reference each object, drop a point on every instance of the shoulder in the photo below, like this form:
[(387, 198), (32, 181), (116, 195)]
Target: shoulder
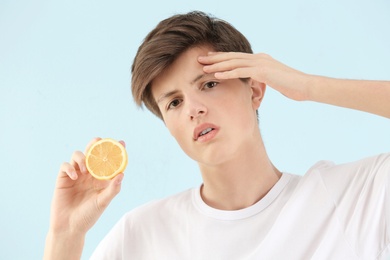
[(374, 166), (365, 178), (360, 193)]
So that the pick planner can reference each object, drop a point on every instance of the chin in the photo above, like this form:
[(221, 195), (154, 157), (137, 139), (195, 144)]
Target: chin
[(214, 159)]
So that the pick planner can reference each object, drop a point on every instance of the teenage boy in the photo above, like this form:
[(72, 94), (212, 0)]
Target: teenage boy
[(198, 74)]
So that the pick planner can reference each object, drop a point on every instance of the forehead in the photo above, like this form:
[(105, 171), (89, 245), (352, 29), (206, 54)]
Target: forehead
[(182, 71)]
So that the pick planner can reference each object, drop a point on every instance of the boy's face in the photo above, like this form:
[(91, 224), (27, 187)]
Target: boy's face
[(212, 120)]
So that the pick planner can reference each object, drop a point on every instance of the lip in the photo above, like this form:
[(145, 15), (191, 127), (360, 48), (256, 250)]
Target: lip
[(200, 128)]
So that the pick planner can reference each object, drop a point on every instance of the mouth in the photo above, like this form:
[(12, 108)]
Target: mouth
[(204, 132)]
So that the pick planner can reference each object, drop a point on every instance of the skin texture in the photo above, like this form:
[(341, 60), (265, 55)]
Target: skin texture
[(234, 164)]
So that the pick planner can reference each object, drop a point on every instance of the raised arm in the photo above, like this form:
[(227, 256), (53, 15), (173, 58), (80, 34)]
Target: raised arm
[(365, 95), (78, 202)]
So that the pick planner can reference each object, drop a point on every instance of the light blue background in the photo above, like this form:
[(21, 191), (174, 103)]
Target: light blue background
[(64, 79)]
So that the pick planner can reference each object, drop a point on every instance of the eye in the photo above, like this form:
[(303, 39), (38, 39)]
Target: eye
[(210, 84), (174, 103)]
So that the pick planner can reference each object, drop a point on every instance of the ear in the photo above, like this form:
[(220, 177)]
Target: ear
[(258, 91)]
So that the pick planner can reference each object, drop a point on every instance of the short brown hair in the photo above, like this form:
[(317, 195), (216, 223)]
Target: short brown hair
[(173, 36)]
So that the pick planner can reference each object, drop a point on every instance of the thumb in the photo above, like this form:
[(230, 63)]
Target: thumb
[(110, 191)]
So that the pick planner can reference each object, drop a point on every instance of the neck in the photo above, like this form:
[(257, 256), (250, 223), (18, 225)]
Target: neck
[(241, 181)]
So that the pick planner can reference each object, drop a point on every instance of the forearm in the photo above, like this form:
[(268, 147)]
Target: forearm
[(63, 246), (365, 95)]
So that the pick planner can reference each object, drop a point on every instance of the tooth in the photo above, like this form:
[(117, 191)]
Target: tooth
[(206, 131)]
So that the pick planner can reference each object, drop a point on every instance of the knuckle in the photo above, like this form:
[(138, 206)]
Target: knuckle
[(65, 166), (102, 204), (264, 55), (78, 156)]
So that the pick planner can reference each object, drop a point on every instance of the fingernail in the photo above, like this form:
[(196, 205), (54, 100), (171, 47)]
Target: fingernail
[(119, 179), (73, 175)]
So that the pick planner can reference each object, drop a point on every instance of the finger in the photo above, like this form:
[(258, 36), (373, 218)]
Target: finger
[(122, 143), (110, 192), (67, 170), (215, 57), (234, 74), (94, 140), (78, 161), (230, 65)]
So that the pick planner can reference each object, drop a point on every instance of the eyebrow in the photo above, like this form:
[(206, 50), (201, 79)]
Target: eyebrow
[(167, 95), (201, 76), (197, 78), (174, 92)]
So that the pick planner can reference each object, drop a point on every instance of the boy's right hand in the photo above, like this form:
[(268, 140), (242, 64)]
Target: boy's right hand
[(79, 200)]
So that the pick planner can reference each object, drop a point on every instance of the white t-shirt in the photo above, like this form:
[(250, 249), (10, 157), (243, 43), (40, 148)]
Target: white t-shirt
[(332, 212)]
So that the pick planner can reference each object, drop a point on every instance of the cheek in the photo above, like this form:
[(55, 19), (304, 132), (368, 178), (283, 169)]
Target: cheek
[(240, 104), (176, 129), (241, 111), (183, 138)]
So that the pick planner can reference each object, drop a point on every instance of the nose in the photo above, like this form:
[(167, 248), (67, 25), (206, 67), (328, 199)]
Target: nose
[(195, 109)]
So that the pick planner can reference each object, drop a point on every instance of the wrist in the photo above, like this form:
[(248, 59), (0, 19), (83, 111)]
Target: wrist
[(312, 85), (64, 245)]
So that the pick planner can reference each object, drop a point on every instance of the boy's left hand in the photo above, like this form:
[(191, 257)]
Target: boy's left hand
[(364, 95), (260, 67)]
